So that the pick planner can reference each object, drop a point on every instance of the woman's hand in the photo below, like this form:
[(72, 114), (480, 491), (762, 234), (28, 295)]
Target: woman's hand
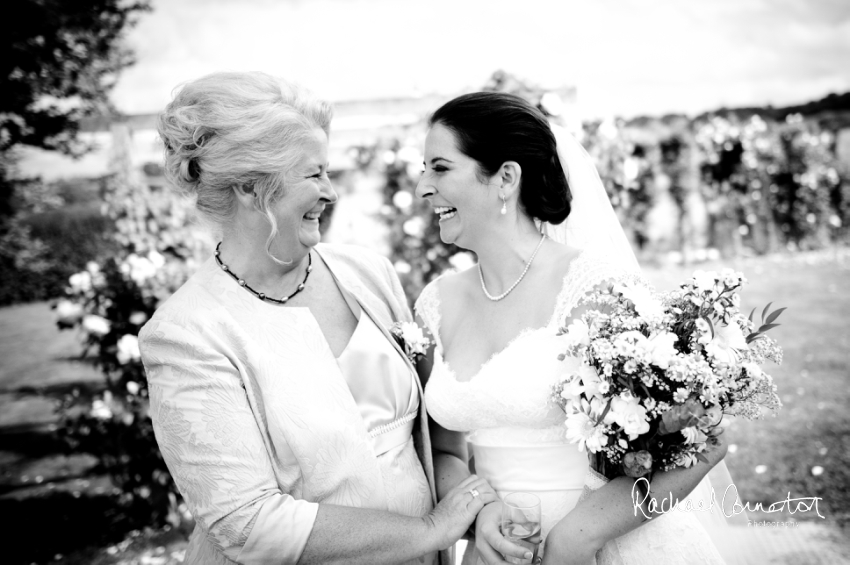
[(458, 509), (567, 544), (492, 546)]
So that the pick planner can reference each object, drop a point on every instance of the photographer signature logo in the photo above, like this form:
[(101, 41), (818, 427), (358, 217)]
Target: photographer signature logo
[(650, 507)]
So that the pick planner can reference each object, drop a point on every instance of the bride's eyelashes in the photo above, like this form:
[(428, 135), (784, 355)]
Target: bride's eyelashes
[(435, 168)]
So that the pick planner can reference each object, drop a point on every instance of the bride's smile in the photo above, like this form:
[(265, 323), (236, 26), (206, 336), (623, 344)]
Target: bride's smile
[(463, 199)]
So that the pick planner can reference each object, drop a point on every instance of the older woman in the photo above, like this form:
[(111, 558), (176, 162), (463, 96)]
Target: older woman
[(284, 409)]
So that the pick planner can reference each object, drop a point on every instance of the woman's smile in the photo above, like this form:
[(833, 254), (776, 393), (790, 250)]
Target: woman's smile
[(445, 212)]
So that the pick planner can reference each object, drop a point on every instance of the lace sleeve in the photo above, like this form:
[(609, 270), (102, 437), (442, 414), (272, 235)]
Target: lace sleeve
[(588, 271), (428, 308)]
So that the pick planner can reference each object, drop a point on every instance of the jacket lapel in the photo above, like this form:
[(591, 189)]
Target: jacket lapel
[(347, 277)]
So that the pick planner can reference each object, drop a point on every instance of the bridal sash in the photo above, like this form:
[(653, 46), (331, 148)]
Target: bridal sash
[(531, 469)]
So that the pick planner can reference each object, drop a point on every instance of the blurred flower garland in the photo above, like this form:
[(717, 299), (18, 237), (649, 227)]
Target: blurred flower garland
[(160, 247), (773, 185)]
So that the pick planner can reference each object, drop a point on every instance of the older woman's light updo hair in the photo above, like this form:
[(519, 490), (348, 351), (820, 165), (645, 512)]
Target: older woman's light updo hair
[(229, 130)]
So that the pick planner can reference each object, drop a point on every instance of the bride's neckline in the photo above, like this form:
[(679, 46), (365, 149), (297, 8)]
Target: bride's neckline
[(525, 332)]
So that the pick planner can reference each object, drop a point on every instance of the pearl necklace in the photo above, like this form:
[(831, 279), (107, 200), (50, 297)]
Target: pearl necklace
[(513, 286), (261, 295)]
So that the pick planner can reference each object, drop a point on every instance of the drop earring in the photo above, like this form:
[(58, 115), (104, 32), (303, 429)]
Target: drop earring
[(504, 209)]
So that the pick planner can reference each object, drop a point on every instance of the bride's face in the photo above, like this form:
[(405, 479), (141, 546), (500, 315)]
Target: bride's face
[(463, 203)]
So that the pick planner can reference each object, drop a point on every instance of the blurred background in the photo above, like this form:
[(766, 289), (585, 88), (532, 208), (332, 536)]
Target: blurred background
[(721, 131)]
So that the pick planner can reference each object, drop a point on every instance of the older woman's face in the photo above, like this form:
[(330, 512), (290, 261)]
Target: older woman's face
[(307, 193)]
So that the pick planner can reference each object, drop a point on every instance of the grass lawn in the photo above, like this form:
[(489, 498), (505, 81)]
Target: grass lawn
[(56, 502)]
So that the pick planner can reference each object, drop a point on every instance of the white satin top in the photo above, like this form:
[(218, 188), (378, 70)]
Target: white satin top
[(388, 401), (381, 385)]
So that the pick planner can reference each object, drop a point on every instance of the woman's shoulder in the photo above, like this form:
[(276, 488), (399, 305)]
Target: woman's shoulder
[(192, 306), (448, 284)]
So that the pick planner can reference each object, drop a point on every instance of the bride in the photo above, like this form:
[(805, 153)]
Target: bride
[(503, 187)]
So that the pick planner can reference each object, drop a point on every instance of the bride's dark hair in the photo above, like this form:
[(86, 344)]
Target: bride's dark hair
[(494, 127)]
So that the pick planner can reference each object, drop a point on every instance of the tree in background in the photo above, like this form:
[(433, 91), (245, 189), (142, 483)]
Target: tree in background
[(59, 59)]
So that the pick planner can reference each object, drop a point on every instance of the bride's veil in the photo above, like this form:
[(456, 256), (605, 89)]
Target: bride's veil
[(592, 223)]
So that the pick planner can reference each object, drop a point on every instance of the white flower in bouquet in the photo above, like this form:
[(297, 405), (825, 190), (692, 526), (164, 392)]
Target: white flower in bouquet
[(572, 388), (753, 370), (681, 395), (128, 349), (704, 280), (603, 349), (731, 278), (96, 325), (728, 340), (692, 435), (627, 412), (646, 304), (685, 459), (661, 348), (582, 429), (577, 334), (68, 313), (593, 386), (632, 344)]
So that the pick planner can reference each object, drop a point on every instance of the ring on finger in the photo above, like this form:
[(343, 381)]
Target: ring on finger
[(474, 492)]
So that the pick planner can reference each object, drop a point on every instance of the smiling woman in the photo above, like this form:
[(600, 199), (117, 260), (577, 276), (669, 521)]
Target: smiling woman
[(284, 408)]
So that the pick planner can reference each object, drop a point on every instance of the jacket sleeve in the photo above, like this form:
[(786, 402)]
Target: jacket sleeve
[(211, 442)]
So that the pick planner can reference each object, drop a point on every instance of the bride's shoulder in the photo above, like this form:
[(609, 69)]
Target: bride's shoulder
[(445, 288), (589, 268), (449, 285), (559, 261)]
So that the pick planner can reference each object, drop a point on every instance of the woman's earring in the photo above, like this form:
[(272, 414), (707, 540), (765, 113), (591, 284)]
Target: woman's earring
[(504, 206)]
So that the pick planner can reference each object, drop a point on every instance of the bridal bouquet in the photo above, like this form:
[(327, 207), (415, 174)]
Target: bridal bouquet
[(657, 373)]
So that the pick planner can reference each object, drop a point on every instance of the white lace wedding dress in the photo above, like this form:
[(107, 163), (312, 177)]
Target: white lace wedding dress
[(517, 433)]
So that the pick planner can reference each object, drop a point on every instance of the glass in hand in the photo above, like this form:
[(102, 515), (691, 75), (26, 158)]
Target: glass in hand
[(521, 524)]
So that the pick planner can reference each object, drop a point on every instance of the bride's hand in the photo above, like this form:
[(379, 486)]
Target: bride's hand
[(491, 545), (567, 544)]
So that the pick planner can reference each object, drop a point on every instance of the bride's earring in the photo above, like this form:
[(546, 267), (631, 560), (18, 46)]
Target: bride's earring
[(504, 206)]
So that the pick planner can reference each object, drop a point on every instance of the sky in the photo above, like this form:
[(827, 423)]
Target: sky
[(625, 57)]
